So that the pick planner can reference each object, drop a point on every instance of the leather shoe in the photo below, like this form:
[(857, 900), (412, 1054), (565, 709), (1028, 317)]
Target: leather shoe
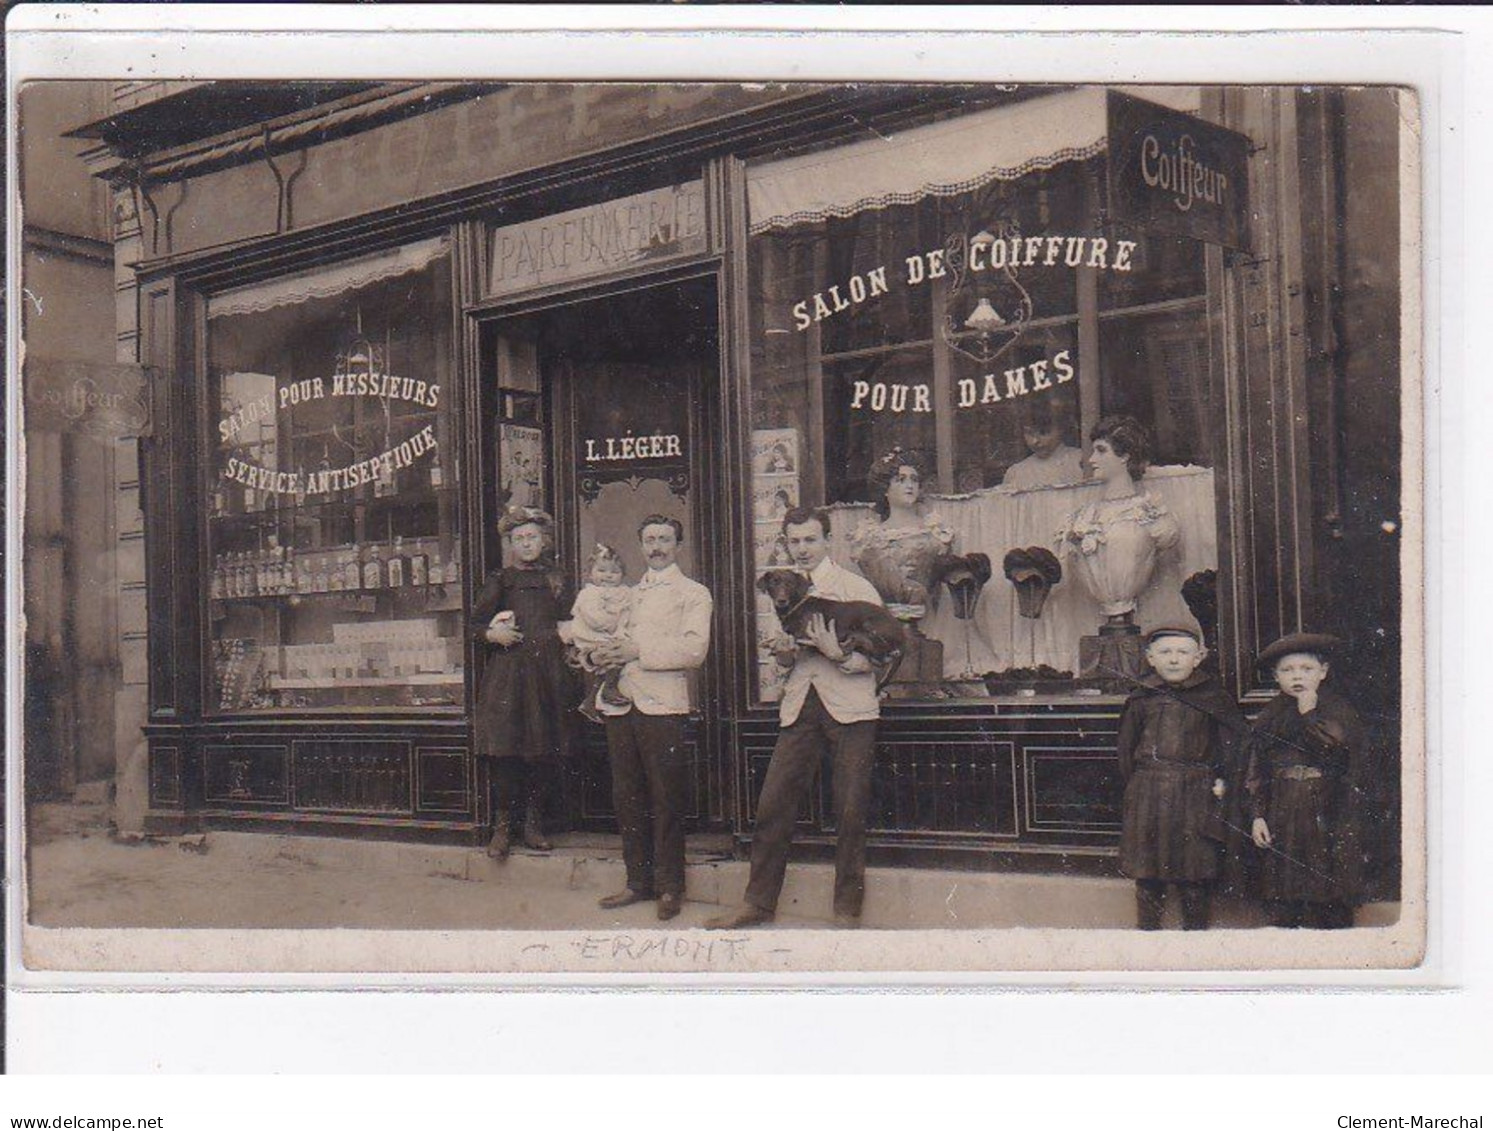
[(669, 904), (625, 898), (747, 915)]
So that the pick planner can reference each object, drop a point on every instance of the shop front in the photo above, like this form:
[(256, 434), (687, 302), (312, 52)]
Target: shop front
[(914, 317)]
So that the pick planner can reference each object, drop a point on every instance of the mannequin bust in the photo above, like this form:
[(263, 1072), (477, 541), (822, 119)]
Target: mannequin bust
[(898, 552)]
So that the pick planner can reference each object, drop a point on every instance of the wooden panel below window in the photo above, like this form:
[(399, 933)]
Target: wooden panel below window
[(246, 775), (353, 775), (443, 782), (1071, 789)]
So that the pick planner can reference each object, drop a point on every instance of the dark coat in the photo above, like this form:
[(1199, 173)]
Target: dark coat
[(524, 707), (1317, 825), (1175, 741)]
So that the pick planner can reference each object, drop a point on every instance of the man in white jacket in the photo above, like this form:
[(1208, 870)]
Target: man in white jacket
[(668, 638), (829, 705)]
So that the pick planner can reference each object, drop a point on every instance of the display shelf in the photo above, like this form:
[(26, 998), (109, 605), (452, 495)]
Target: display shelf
[(420, 679), (443, 602)]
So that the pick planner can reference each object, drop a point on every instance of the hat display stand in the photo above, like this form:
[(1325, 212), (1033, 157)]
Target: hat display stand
[(1113, 656), (964, 576)]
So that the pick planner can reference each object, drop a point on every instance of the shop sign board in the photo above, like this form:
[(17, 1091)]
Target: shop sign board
[(100, 399), (597, 240), (1171, 172)]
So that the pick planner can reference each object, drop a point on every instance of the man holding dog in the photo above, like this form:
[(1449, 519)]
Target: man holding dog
[(829, 704)]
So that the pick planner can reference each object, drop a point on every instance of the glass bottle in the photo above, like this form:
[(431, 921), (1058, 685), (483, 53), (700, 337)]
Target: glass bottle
[(373, 569), (437, 474), (352, 574), (419, 567)]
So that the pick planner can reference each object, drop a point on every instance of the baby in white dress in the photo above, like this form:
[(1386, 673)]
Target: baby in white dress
[(601, 615)]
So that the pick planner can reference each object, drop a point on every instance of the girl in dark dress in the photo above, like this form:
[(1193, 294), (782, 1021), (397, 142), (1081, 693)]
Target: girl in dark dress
[(523, 708), (1305, 775)]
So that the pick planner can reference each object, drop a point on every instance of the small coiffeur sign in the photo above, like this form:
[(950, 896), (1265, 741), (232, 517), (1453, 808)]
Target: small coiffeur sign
[(661, 224), (1172, 172), (100, 399)]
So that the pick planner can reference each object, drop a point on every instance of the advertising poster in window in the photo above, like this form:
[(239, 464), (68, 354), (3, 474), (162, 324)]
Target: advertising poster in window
[(521, 452)]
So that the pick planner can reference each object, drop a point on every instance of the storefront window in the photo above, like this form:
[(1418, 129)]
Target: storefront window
[(954, 303), (333, 555)]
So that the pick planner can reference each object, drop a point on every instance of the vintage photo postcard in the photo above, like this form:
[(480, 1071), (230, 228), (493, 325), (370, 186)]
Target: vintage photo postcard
[(662, 528)]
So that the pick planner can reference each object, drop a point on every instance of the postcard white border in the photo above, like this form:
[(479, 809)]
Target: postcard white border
[(1430, 62)]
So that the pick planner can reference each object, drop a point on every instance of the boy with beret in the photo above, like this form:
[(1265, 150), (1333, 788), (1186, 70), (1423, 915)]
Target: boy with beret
[(1305, 764), (1177, 747)]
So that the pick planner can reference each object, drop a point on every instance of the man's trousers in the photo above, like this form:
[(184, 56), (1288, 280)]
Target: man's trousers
[(650, 790), (795, 762)]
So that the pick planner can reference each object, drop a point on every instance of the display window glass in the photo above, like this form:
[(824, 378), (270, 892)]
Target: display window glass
[(954, 306), (333, 551)]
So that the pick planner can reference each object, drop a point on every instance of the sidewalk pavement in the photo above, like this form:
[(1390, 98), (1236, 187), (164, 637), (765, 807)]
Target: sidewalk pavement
[(80, 875)]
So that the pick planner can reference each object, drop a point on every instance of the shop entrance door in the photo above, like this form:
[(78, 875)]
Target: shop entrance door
[(606, 411)]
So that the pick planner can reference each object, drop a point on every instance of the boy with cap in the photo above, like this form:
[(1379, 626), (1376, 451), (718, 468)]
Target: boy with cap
[(1305, 771), (1177, 749)]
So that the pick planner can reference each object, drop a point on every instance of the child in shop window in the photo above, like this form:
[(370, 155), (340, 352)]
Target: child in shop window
[(601, 615)]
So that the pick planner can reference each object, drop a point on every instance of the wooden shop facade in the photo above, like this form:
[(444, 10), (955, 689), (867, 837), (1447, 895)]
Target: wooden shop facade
[(374, 315)]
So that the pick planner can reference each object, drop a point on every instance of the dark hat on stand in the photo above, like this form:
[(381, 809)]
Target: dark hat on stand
[(1318, 644), (1033, 571), (965, 575)]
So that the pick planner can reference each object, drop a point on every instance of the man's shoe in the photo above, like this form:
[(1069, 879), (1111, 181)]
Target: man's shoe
[(534, 832), (625, 898), (669, 904), (747, 915)]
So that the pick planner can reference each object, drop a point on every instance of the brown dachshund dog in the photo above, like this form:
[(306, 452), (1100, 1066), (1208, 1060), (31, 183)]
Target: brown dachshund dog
[(859, 626)]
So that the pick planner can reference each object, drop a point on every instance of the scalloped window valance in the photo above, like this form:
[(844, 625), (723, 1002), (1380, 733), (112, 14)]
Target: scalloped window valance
[(944, 159)]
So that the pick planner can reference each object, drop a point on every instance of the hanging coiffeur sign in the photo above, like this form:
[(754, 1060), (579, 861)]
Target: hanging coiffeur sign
[(657, 225), (249, 421), (1172, 172), (99, 399)]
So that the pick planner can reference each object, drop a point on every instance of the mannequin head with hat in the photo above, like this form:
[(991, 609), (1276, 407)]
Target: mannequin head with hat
[(1174, 653)]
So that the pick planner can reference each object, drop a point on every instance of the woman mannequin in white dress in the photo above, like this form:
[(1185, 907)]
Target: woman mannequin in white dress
[(1111, 544)]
